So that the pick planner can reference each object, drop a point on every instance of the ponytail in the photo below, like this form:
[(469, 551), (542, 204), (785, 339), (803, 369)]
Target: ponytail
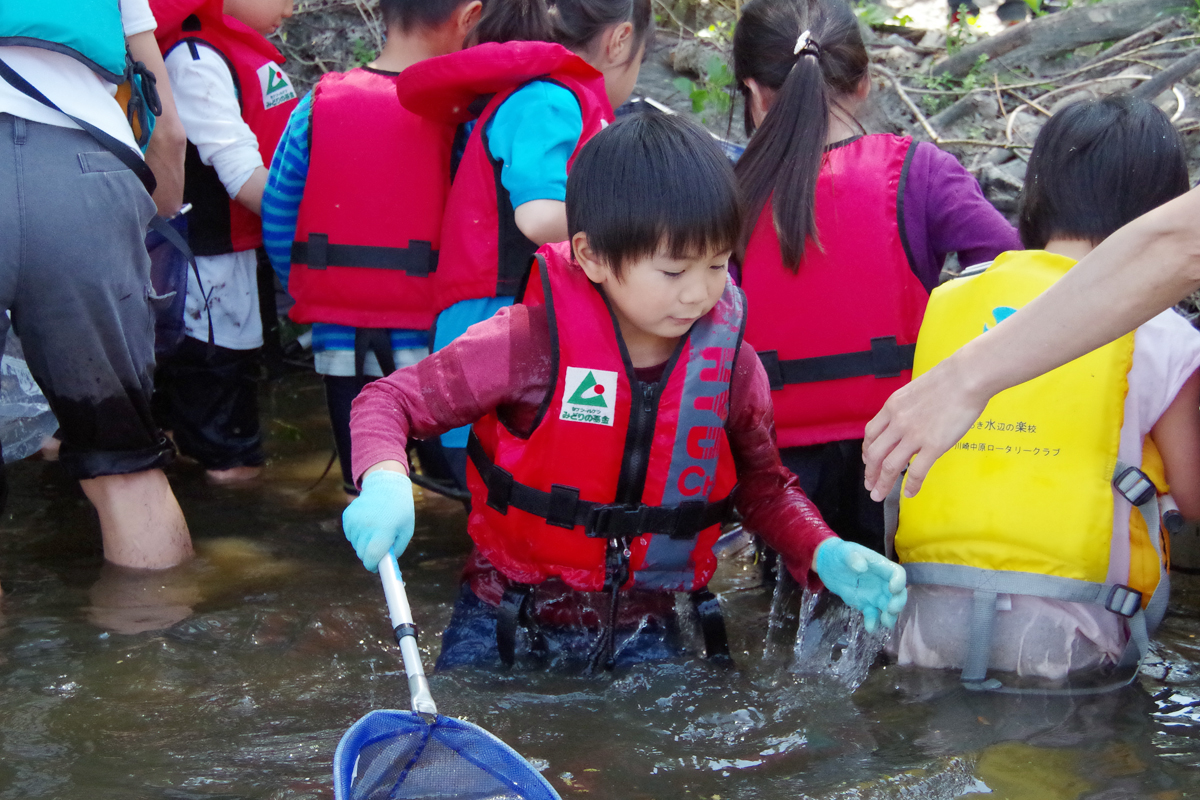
[(808, 52), (513, 21), (577, 23)]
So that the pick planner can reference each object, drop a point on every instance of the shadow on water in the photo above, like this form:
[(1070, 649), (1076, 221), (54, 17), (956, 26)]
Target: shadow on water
[(235, 676)]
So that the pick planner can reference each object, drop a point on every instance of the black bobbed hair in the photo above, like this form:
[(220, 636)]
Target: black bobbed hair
[(1097, 165), (653, 183)]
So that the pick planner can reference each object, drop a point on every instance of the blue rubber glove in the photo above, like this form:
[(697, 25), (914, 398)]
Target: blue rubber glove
[(864, 579), (381, 517)]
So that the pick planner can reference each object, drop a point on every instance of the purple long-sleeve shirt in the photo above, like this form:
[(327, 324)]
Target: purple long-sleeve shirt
[(945, 212)]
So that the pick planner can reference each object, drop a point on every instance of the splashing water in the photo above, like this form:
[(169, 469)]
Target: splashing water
[(831, 640)]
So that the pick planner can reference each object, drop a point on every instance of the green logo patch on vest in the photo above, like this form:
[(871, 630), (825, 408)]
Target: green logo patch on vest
[(276, 87), (589, 396)]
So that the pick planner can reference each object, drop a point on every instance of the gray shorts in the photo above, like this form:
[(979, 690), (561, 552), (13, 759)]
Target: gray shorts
[(75, 276)]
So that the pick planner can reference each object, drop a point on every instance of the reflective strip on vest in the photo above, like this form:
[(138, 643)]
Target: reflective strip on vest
[(90, 31), (703, 411)]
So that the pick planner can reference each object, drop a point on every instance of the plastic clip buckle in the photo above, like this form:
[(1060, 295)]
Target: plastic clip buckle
[(1123, 600), (606, 522), (1135, 486)]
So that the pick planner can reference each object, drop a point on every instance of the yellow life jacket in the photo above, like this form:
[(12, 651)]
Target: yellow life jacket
[(1024, 503)]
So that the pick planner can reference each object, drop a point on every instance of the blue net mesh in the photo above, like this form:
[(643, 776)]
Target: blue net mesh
[(393, 755)]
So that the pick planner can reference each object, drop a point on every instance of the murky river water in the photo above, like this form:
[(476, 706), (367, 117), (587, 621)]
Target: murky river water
[(235, 677)]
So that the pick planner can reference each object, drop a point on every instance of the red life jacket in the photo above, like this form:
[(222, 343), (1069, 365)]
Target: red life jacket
[(484, 253), (365, 254), (218, 224), (612, 465), (837, 337)]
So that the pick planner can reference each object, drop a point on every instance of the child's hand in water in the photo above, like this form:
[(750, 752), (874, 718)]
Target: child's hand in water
[(864, 579), (381, 517)]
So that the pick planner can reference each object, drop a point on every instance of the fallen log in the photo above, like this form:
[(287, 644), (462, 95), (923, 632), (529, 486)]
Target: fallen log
[(1145, 36), (1168, 77), (1067, 30)]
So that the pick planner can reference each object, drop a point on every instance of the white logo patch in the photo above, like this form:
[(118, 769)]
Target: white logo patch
[(276, 86), (590, 396)]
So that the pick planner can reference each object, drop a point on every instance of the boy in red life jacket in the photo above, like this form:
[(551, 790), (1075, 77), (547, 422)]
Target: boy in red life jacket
[(613, 422), (234, 101), (360, 258)]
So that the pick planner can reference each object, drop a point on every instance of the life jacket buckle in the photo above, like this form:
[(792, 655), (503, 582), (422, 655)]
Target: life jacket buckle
[(604, 522), (1135, 486), (1123, 600)]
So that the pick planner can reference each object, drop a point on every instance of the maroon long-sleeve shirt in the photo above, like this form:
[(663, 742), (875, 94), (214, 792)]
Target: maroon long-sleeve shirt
[(505, 364)]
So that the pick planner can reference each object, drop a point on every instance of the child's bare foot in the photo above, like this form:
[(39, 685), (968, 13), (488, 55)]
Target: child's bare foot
[(233, 474)]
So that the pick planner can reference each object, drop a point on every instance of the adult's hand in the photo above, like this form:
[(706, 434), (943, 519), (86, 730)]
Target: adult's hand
[(920, 422)]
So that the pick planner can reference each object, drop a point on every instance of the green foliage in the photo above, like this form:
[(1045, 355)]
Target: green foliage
[(713, 91), (933, 103), (962, 32), (875, 16), (362, 53), (719, 33)]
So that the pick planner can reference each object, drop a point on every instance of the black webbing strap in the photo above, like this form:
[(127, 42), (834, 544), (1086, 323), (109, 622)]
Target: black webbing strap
[(418, 260), (712, 623), (377, 341), (885, 359), (562, 507), (115, 146), (516, 610)]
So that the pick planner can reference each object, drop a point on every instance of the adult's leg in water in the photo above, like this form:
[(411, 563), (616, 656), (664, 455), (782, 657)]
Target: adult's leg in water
[(81, 305), (141, 523)]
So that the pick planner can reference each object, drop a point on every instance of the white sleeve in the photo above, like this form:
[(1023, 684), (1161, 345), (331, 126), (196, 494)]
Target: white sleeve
[(207, 103), (137, 17)]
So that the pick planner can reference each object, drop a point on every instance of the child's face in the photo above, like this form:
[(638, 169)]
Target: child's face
[(265, 16), (657, 300)]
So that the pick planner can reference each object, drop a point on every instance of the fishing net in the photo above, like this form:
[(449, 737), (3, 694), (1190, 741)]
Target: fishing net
[(398, 755)]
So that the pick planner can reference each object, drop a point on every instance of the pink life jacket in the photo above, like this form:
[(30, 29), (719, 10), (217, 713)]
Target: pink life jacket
[(614, 468), (837, 336), (369, 227), (218, 224), (484, 254)]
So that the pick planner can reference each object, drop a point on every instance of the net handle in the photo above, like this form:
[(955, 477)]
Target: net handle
[(406, 635)]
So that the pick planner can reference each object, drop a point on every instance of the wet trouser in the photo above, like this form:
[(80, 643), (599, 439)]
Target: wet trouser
[(471, 637), (208, 398), (75, 275), (340, 392), (832, 474)]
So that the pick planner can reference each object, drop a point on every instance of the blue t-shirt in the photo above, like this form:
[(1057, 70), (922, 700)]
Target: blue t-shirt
[(534, 132)]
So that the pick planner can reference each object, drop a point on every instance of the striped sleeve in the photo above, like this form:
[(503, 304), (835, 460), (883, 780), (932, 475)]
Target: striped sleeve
[(285, 189)]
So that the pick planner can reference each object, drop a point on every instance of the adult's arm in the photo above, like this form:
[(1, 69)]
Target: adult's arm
[(1136, 273), (164, 154)]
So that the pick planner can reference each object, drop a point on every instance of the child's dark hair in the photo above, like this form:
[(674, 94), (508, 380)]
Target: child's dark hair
[(513, 21), (1097, 165), (577, 23), (410, 14), (782, 161), (653, 183)]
